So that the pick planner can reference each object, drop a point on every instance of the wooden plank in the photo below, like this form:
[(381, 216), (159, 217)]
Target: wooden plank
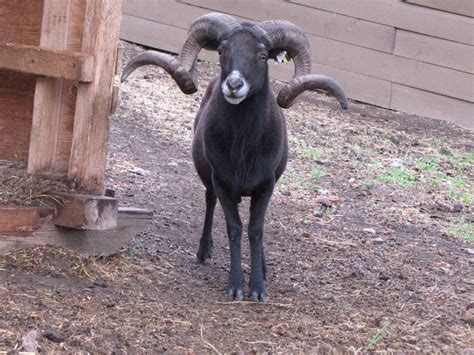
[(69, 95), (48, 94), (21, 220), (47, 62), (16, 103), (318, 22), (91, 122), (388, 67), (428, 104), (435, 51), (87, 212), (401, 15), (461, 7), (158, 35), (85, 242), (20, 21), (169, 12)]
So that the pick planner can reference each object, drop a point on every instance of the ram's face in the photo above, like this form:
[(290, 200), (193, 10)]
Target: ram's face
[(244, 68)]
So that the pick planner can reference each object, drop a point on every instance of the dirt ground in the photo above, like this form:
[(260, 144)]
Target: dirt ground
[(368, 239)]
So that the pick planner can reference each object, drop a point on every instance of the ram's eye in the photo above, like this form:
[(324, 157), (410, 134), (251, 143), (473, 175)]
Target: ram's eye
[(263, 57), (219, 52)]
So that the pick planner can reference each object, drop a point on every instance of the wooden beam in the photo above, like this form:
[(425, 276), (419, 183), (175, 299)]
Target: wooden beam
[(47, 62), (48, 94), (91, 122)]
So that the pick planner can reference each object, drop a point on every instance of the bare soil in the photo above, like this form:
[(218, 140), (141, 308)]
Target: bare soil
[(368, 240)]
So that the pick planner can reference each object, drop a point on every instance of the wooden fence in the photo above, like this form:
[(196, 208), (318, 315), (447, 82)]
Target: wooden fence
[(415, 56)]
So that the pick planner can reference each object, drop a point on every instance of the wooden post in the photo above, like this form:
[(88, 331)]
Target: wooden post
[(47, 103), (89, 142)]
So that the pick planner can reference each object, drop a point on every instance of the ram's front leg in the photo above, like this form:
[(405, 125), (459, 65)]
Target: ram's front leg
[(229, 203), (258, 207)]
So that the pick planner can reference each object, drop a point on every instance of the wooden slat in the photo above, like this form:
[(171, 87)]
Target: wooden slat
[(69, 95), (435, 51), (20, 220), (318, 22), (16, 109), (397, 69), (48, 94), (20, 21), (427, 104), (157, 35), (47, 62), (401, 15), (91, 123), (461, 7)]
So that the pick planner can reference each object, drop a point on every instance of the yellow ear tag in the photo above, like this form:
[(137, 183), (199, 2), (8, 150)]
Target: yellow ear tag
[(283, 57)]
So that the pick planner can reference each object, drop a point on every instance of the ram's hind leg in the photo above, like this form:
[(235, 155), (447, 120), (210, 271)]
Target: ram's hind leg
[(205, 244)]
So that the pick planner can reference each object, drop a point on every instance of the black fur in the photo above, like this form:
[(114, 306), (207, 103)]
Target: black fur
[(240, 150)]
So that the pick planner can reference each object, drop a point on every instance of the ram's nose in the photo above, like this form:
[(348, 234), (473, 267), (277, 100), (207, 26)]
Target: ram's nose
[(234, 83)]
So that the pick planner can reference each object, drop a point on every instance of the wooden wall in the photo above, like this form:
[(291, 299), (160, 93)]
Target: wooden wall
[(415, 56)]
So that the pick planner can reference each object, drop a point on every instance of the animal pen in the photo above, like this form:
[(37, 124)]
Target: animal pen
[(58, 60)]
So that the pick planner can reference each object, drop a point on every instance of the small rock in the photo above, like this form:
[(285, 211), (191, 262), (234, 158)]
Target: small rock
[(352, 180), (457, 207), (369, 230), (470, 251), (139, 171), (395, 163), (317, 212), (325, 202), (148, 76), (445, 150), (469, 317), (377, 241), (384, 277), (54, 335), (392, 209), (286, 192), (109, 192), (29, 341), (173, 164)]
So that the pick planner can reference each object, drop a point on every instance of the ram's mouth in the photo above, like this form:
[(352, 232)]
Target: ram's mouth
[(234, 99)]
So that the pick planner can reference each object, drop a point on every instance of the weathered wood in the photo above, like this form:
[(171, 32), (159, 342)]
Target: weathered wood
[(318, 22), (48, 93), (428, 104), (20, 21), (401, 15), (53, 63), (16, 108), (461, 7), (22, 220), (397, 69), (85, 242), (91, 123), (435, 51), (87, 212)]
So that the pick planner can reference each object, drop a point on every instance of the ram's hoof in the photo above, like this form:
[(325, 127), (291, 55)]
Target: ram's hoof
[(235, 294)]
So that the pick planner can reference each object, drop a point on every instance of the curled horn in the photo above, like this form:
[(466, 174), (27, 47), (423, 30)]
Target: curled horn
[(206, 31), (283, 35), (290, 92), (168, 63)]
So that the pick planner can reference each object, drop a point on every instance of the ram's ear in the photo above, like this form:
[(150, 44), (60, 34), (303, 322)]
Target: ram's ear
[(279, 55)]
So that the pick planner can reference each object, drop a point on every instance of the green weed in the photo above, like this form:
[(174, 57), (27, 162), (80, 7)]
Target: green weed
[(377, 338), (463, 229), (398, 176)]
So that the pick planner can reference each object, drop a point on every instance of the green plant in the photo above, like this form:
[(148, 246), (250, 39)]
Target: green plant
[(398, 176), (377, 338), (317, 173), (463, 229)]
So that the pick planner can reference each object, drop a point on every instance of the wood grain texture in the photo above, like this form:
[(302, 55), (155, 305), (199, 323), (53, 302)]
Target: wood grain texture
[(16, 103), (20, 21), (91, 121), (435, 51), (47, 62), (460, 7), (428, 104), (402, 15), (314, 21)]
